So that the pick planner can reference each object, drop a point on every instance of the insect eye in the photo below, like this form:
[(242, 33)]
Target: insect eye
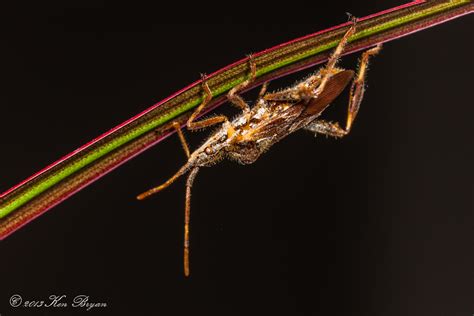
[(209, 151)]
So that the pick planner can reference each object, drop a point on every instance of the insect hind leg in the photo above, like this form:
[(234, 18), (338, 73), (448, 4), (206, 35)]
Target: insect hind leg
[(355, 98), (328, 70), (358, 86)]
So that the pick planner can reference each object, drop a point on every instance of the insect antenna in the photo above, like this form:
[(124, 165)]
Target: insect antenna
[(187, 207), (187, 218), (157, 189)]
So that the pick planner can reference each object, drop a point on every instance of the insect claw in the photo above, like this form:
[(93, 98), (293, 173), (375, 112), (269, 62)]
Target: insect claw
[(375, 50), (352, 18)]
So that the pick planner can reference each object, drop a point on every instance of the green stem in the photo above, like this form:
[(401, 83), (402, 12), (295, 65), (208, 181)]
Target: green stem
[(54, 184)]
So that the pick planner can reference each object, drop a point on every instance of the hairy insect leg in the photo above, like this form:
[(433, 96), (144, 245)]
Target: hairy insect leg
[(325, 128), (355, 98), (263, 90), (177, 127), (187, 218), (191, 124), (320, 79), (236, 99), (358, 86), (328, 70)]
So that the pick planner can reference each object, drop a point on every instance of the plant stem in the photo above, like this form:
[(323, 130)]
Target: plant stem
[(57, 182)]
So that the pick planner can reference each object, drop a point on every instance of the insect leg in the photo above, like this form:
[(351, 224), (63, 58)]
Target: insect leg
[(236, 99), (357, 88), (187, 217), (325, 128), (177, 127), (263, 90), (191, 124), (328, 70), (355, 98)]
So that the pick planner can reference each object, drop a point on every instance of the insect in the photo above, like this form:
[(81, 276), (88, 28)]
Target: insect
[(273, 117)]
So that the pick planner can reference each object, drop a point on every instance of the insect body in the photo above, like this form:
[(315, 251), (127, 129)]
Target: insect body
[(274, 116)]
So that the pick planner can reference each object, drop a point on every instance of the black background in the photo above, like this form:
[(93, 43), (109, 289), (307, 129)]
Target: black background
[(378, 223)]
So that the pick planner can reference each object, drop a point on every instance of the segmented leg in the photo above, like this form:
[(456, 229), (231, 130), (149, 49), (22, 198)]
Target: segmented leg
[(263, 90), (177, 127), (236, 99), (358, 86), (191, 124), (319, 80), (187, 218), (328, 70), (325, 128), (355, 98)]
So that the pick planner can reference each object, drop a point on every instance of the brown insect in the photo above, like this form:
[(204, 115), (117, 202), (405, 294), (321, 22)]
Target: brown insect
[(273, 117)]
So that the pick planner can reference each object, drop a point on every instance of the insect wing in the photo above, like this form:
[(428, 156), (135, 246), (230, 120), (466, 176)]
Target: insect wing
[(334, 87), (279, 123)]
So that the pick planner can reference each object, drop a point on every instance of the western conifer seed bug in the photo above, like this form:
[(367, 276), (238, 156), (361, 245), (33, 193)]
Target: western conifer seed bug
[(273, 117)]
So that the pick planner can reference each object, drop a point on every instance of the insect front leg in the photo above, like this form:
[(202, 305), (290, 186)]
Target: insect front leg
[(355, 98), (236, 99), (177, 127), (191, 124)]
